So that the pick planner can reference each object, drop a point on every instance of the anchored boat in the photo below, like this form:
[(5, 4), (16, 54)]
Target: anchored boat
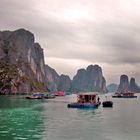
[(41, 96), (36, 96), (107, 103), (60, 93), (86, 100)]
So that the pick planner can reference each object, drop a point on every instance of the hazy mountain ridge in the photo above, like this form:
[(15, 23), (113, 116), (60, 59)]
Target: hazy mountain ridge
[(57, 82), (112, 87)]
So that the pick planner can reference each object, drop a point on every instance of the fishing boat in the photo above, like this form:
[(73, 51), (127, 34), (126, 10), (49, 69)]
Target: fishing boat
[(86, 100), (124, 95)]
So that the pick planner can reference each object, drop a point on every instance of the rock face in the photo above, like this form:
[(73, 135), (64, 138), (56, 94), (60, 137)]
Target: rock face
[(133, 86), (52, 78), (124, 84), (56, 82), (112, 87), (90, 79), (19, 51), (64, 83)]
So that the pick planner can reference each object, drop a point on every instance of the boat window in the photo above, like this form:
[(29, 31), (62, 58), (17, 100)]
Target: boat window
[(87, 98)]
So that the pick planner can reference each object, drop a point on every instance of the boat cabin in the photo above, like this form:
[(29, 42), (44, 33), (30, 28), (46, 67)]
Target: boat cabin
[(87, 98), (128, 94)]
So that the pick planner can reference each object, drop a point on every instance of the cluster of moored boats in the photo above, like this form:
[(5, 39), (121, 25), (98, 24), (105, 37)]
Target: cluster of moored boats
[(90, 100), (41, 96), (84, 100)]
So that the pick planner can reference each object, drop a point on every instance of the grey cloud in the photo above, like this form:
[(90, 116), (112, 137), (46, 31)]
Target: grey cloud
[(111, 37), (117, 46)]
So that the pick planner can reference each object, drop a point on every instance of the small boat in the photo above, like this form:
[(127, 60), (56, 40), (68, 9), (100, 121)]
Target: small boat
[(68, 93), (60, 93), (117, 95), (107, 104), (124, 95), (49, 96), (35, 96), (86, 100), (31, 97)]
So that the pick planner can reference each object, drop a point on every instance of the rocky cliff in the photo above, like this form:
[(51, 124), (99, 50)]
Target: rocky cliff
[(125, 85), (52, 78), (21, 62), (64, 83), (90, 79), (57, 82)]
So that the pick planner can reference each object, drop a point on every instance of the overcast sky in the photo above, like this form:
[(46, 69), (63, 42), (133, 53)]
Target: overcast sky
[(77, 33)]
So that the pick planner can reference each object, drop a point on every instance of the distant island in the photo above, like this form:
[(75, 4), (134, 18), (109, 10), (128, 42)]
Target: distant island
[(89, 79), (125, 85), (23, 70), (112, 87)]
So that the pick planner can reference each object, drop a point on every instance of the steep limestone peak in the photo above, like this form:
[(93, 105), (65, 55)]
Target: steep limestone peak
[(132, 80), (94, 69), (23, 34), (66, 76), (81, 70), (133, 85), (88, 80), (97, 67), (124, 83)]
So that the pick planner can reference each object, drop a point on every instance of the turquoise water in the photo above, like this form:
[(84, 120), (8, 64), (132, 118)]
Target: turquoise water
[(22, 119)]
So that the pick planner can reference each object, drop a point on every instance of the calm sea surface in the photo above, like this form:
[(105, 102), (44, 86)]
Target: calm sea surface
[(22, 119)]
